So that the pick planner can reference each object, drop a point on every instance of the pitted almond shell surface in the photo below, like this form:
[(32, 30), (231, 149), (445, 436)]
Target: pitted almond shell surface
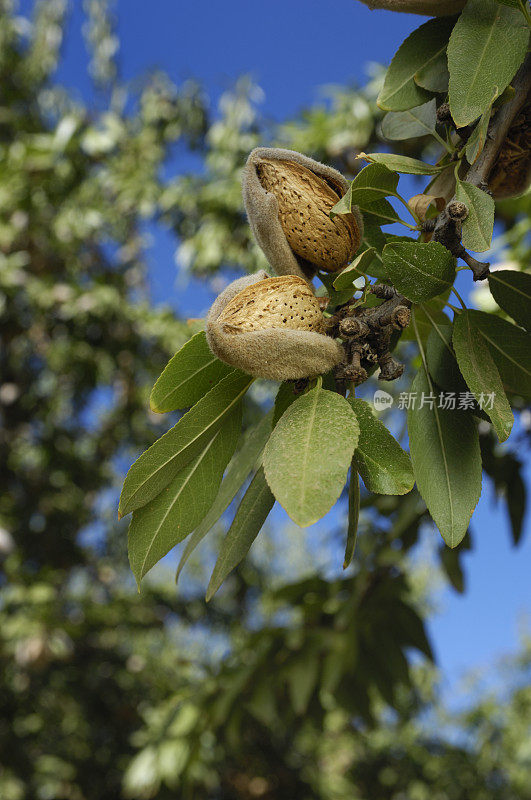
[(304, 203), (284, 302)]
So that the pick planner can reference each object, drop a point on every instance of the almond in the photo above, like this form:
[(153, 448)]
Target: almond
[(271, 328), (304, 203), (285, 302)]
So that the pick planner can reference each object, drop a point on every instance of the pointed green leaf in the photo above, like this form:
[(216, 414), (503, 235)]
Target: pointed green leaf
[(510, 347), (478, 137), (237, 473), (419, 270), (381, 462), (354, 270), (301, 676), (516, 505), (285, 397), (418, 121), (444, 448), (404, 164), (353, 514), (481, 374), (307, 457), (375, 238), (173, 514), (379, 212), (479, 224), (175, 449), (190, 374), (441, 359), (434, 75), (426, 315), (421, 48), (487, 46), (256, 504), (371, 183), (512, 292)]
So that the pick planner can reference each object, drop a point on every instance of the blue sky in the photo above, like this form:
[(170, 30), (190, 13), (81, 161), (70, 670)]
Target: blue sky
[(291, 48)]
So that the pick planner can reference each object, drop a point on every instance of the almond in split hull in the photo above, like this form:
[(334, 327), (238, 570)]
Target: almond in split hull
[(285, 302), (304, 203)]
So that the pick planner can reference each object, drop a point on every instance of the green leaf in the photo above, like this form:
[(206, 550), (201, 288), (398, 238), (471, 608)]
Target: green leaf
[(353, 514), (354, 270), (516, 505), (478, 137), (481, 374), (189, 375), (442, 363), (307, 457), (371, 183), (301, 676), (379, 212), (426, 315), (375, 238), (404, 164), (418, 121), (479, 224), (285, 397), (252, 513), (422, 48), (410, 624), (419, 270), (175, 449), (381, 462), (487, 46), (434, 75), (238, 471), (173, 514), (510, 347), (444, 448), (512, 292)]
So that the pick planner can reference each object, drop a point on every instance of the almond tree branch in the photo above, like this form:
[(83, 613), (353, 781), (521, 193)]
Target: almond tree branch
[(447, 227), (499, 127)]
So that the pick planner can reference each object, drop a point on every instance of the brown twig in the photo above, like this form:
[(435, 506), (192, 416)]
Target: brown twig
[(499, 126), (367, 335), (447, 228)]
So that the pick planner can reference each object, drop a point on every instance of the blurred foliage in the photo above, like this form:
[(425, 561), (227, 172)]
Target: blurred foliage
[(309, 689)]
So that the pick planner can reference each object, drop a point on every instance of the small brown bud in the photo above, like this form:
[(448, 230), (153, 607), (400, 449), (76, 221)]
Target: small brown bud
[(271, 328), (390, 368), (457, 210), (353, 327), (351, 373), (400, 317), (444, 114)]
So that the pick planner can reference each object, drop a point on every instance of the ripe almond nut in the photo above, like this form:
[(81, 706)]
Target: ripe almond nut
[(288, 198), (285, 302), (304, 203), (271, 328)]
